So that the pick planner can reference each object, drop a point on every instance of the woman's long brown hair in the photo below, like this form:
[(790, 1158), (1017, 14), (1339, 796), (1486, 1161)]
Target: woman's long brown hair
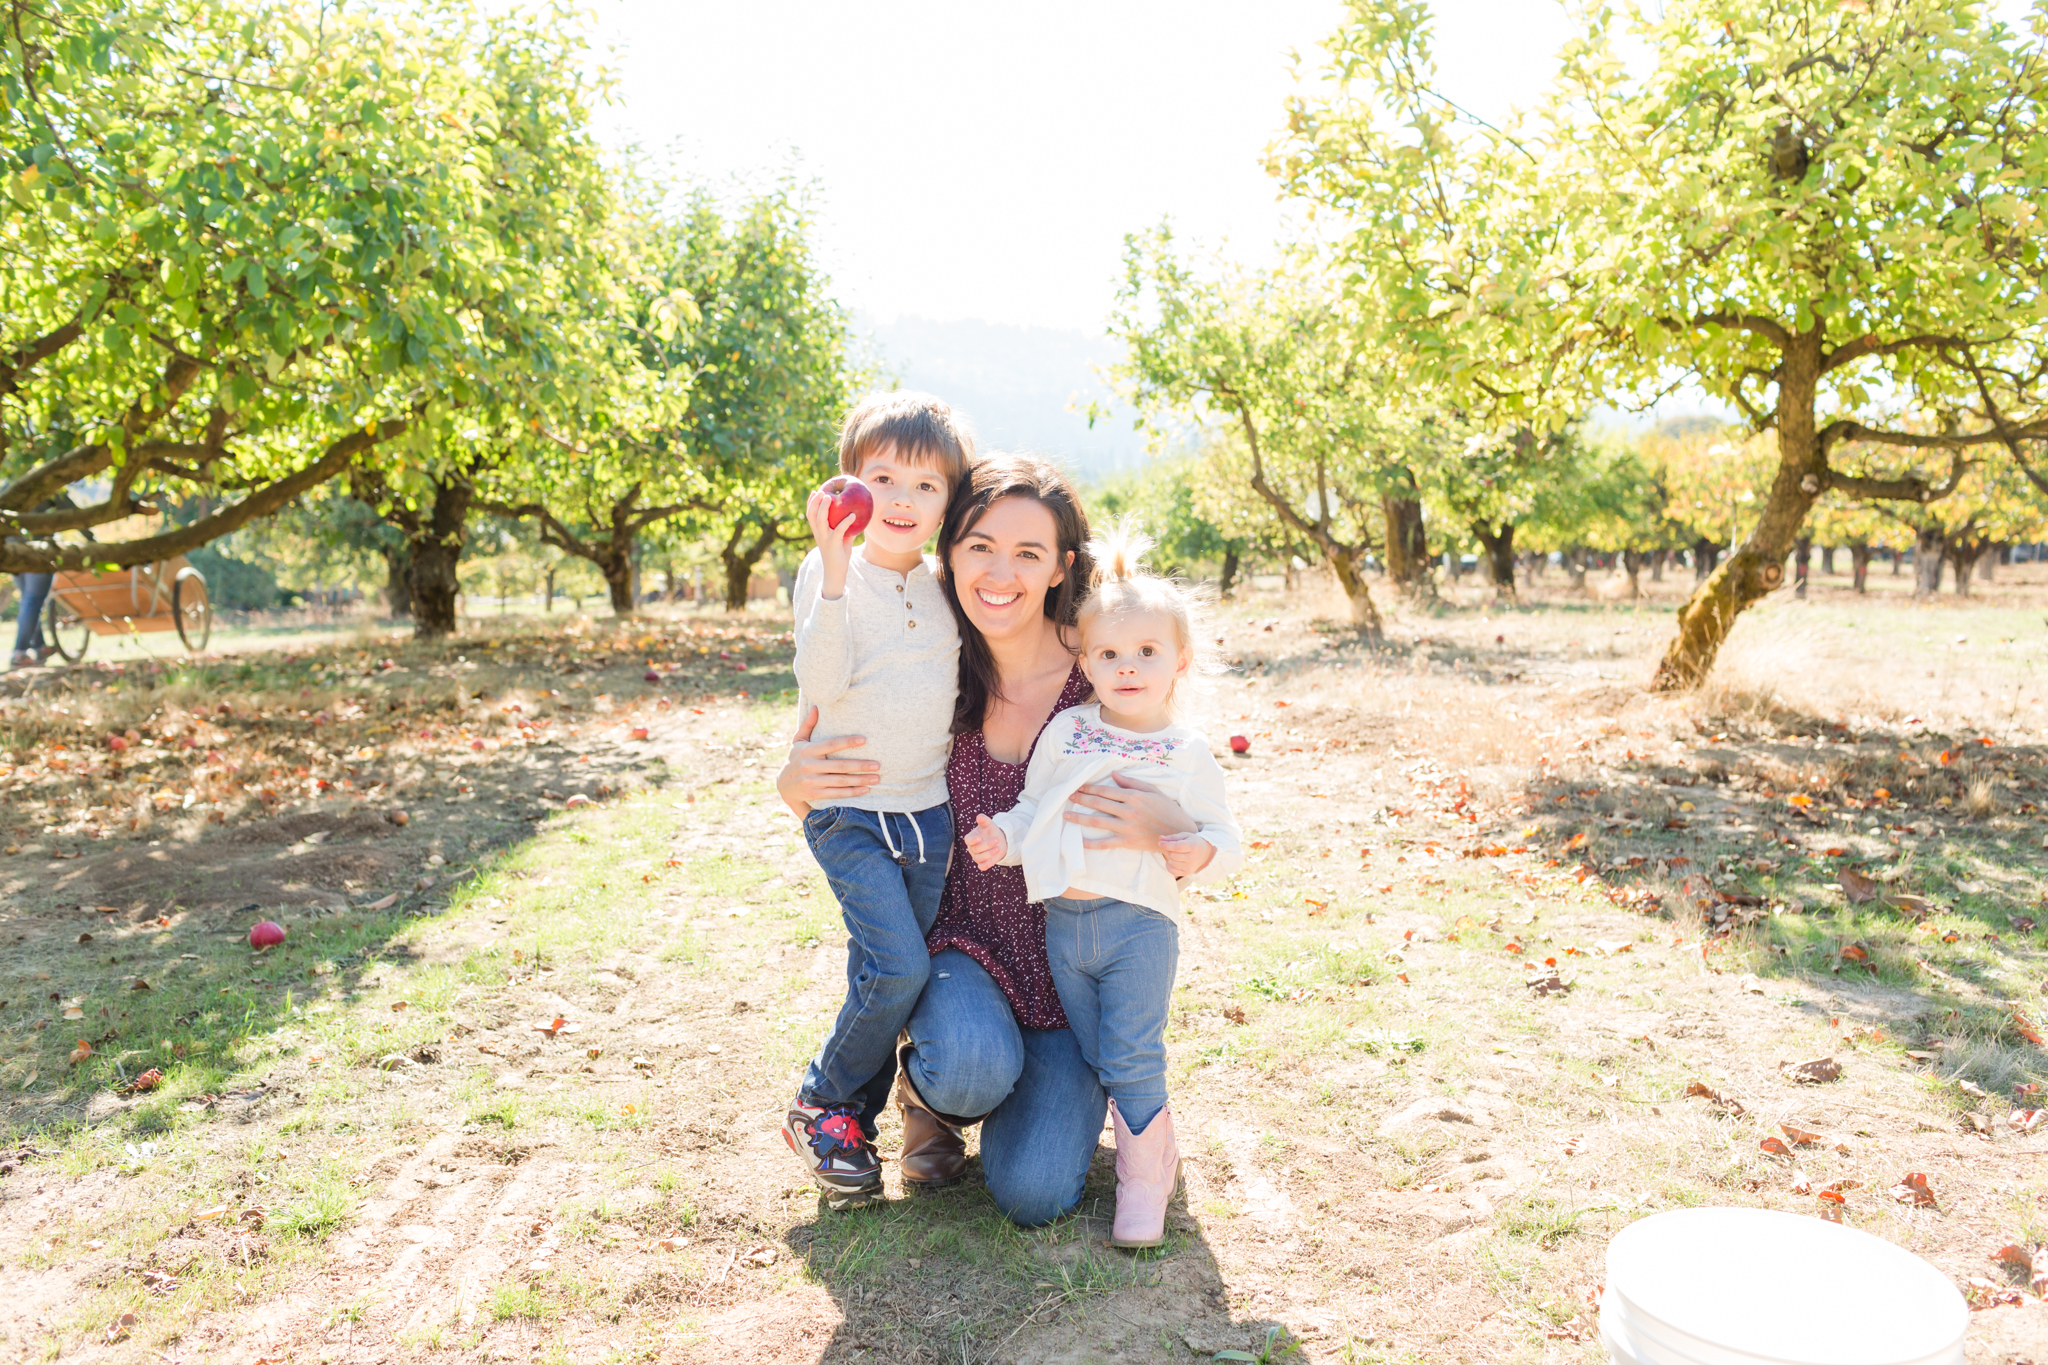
[(995, 477)]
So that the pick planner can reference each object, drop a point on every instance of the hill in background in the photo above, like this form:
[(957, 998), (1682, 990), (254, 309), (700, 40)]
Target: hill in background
[(1019, 385)]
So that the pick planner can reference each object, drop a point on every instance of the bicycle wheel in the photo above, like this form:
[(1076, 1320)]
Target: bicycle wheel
[(66, 630), (192, 610)]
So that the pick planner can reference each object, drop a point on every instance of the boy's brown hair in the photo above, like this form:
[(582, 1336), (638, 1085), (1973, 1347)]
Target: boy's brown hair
[(923, 429)]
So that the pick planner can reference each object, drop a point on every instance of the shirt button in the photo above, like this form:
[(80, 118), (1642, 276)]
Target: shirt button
[(913, 625), (899, 587)]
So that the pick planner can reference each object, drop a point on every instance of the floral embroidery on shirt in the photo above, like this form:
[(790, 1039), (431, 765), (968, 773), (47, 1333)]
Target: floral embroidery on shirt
[(1093, 739)]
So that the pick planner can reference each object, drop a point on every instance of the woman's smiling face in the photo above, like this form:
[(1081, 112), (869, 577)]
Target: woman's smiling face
[(1003, 567)]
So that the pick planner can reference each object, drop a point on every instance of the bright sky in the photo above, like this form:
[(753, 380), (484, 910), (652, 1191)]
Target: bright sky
[(984, 161)]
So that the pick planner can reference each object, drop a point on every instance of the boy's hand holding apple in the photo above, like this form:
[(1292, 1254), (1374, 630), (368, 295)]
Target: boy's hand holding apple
[(838, 511)]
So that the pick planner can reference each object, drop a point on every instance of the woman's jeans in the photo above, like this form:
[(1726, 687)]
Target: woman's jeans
[(1044, 1105), (1113, 963), (28, 625), (887, 871)]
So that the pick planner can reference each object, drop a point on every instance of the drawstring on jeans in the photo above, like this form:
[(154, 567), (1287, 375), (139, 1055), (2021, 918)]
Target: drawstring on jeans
[(902, 859)]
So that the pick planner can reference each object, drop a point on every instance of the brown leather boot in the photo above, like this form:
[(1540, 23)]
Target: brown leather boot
[(934, 1152)]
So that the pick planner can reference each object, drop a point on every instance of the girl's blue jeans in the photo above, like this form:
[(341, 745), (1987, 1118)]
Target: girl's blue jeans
[(1113, 963), (888, 880)]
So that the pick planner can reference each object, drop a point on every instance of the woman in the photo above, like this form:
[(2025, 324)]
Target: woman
[(989, 1042)]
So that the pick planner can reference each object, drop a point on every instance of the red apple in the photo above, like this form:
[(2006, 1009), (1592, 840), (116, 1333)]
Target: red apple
[(1240, 745), (268, 934), (850, 498)]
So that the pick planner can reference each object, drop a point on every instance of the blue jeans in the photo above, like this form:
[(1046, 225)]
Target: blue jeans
[(1113, 963), (28, 625), (887, 872), (1043, 1104)]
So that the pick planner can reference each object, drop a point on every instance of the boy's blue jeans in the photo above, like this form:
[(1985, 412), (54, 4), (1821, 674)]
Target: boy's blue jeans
[(889, 906), (1113, 963)]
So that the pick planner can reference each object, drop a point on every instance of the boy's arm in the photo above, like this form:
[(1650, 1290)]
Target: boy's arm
[(824, 636), (1208, 804)]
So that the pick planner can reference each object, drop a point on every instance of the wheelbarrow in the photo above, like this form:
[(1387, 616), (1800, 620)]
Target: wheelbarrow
[(167, 595)]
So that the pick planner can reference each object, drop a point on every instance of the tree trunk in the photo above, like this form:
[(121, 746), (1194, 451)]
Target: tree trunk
[(1498, 549), (1859, 564), (1657, 565), (397, 596), (618, 577), (1407, 545), (740, 556), (1827, 560), (1963, 556), (1575, 559), (1802, 563), (1757, 565), (1706, 554), (1229, 580), (1988, 561), (1632, 562), (1364, 615), (1930, 552), (436, 552), (548, 604)]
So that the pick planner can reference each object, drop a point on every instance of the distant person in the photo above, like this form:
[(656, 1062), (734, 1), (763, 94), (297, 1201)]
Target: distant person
[(29, 649)]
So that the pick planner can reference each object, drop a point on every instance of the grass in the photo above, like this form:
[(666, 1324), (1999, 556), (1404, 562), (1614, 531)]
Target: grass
[(1293, 1034)]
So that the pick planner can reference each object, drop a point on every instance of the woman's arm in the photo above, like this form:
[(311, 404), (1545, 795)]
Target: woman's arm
[(812, 773), (1134, 813)]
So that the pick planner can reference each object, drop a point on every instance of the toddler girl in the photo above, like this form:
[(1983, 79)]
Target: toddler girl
[(1112, 914)]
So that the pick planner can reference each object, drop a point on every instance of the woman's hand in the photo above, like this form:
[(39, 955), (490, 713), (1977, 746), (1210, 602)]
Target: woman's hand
[(1135, 814), (814, 774)]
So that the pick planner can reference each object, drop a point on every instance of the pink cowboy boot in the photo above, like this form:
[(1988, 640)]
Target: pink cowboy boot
[(1147, 1178)]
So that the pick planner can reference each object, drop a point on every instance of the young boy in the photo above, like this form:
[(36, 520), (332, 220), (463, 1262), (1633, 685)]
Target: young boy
[(877, 652)]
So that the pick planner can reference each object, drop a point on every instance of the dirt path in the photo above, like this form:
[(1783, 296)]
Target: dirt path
[(363, 1149)]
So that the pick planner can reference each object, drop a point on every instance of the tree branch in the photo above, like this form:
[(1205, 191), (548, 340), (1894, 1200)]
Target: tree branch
[(29, 354), (1849, 352), (1908, 489), (18, 555)]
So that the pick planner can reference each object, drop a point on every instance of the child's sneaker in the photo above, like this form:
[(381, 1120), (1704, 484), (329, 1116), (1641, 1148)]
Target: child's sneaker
[(834, 1146)]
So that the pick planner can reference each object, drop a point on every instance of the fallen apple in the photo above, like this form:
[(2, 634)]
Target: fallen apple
[(1240, 745), (849, 498), (268, 934)]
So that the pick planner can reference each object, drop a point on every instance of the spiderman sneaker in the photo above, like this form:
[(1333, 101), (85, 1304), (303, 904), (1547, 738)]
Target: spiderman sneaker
[(836, 1151)]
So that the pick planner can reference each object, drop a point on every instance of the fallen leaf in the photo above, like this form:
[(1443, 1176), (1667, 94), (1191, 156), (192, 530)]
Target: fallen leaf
[(2018, 1257), (1549, 985), (1801, 1182), (1749, 985), (1854, 952), (675, 1241), (385, 904), (118, 1329), (1973, 1090), (1570, 1145), (73, 1012), (2026, 1029), (1858, 888), (558, 1025), (1234, 1013), (1575, 843), (1835, 1187), (1775, 1147), (399, 1006), (1714, 1096), (2027, 1120), (1913, 1190), (1798, 1137), (81, 1052), (206, 1215), (759, 1256), (1815, 1072)]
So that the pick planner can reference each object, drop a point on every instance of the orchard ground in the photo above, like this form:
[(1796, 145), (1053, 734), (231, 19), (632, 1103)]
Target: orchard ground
[(1430, 1049)]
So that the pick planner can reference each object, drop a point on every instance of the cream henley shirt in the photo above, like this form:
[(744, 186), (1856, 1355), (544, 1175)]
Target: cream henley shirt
[(881, 661)]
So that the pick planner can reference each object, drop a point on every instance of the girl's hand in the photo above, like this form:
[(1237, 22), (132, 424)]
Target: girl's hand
[(986, 843), (1186, 854), (1133, 812), (814, 774)]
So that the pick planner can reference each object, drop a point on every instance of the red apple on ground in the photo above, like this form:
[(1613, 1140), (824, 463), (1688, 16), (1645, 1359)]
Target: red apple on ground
[(850, 498), (268, 934), (1240, 745)]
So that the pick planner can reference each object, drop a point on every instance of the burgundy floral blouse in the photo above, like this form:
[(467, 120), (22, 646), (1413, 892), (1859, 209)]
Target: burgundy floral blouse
[(985, 914)]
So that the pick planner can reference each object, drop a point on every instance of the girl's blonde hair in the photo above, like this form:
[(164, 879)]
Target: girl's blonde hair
[(1121, 584)]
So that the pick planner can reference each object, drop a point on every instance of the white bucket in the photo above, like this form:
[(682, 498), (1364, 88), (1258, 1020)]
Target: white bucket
[(1754, 1287)]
